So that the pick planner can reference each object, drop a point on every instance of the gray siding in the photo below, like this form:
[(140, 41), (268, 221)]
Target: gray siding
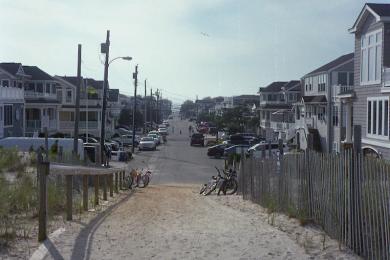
[(17, 127)]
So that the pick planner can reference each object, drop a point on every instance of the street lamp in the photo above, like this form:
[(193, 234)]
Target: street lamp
[(105, 89)]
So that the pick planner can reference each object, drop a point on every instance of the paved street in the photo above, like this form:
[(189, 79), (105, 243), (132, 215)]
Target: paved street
[(177, 161)]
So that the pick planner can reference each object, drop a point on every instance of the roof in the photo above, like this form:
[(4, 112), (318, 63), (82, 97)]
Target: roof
[(275, 106), (273, 87), (10, 67), (97, 84), (36, 73), (333, 64), (379, 11), (293, 85), (315, 99), (72, 80)]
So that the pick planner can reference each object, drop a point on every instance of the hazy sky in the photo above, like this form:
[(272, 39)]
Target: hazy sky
[(184, 47)]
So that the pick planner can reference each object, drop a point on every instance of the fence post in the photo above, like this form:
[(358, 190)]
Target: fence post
[(241, 174), (120, 180), (69, 196), (111, 181), (43, 169), (104, 186), (116, 182), (85, 192), (97, 156), (96, 184), (355, 193)]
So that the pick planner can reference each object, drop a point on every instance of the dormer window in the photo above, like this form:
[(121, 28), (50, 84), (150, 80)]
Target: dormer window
[(371, 58)]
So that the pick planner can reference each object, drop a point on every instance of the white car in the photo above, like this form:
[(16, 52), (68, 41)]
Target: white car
[(155, 137), (158, 134), (163, 131), (147, 143)]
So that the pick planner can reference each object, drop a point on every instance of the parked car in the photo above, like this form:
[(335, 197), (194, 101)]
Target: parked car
[(243, 139), (217, 150), (163, 131), (127, 140), (147, 143), (236, 149), (197, 139), (158, 135), (156, 138), (256, 149)]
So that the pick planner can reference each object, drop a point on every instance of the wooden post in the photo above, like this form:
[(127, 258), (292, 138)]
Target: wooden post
[(310, 141), (96, 183), (97, 156), (46, 144), (59, 154), (42, 171), (269, 149), (120, 180), (116, 183), (104, 186), (263, 151), (85, 192), (111, 181), (69, 197), (280, 146)]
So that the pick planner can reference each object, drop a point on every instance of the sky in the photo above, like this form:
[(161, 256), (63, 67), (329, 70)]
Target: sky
[(185, 48)]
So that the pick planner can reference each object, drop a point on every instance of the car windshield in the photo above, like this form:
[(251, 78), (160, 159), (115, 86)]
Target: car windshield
[(147, 139)]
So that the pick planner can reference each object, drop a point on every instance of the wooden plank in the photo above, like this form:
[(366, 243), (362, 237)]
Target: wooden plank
[(116, 182), (69, 197), (64, 169), (111, 184)]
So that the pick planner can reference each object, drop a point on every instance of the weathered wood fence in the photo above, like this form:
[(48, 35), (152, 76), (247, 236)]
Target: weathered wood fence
[(105, 181), (347, 194)]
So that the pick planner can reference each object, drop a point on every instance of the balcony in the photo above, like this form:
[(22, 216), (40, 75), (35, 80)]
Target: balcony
[(273, 102), (82, 124), (343, 90), (32, 94), (11, 93)]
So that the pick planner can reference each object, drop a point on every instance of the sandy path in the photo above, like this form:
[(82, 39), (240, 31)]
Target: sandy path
[(171, 222)]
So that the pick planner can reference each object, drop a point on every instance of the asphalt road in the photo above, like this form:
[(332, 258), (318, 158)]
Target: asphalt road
[(176, 162)]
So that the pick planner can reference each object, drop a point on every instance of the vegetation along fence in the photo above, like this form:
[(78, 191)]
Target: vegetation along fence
[(347, 194)]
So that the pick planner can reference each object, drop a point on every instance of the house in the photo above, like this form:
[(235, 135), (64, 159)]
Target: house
[(372, 78), (224, 104), (325, 101), (246, 100), (12, 103), (41, 101), (275, 108)]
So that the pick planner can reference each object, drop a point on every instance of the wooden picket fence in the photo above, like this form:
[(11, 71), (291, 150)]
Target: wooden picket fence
[(347, 194)]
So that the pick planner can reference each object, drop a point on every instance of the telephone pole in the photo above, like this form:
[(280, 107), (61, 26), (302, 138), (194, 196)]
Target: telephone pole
[(105, 48), (77, 108), (135, 77), (145, 117), (151, 108), (157, 112)]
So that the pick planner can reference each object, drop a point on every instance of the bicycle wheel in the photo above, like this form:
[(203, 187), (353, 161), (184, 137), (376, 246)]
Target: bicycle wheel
[(141, 183), (145, 179), (210, 189), (203, 188), (129, 182), (231, 187)]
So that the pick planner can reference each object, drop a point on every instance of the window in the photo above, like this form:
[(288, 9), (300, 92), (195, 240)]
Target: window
[(342, 78), (40, 87), (351, 79), (335, 116), (5, 83), (378, 117), (68, 95), (371, 57), (8, 115), (47, 88), (321, 83), (321, 113)]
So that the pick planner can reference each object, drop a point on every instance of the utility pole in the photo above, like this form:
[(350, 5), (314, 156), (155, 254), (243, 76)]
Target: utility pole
[(145, 117), (135, 77), (77, 108), (105, 48), (157, 112), (150, 107)]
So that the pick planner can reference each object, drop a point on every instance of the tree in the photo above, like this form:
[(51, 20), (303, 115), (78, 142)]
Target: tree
[(126, 117), (188, 108)]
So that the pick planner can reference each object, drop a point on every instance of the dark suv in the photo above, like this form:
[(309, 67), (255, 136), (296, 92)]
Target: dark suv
[(198, 139)]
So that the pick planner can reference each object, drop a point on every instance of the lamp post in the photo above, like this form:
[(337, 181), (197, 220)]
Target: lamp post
[(105, 50)]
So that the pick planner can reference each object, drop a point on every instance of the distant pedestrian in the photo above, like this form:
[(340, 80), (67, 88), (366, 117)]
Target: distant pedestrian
[(180, 131)]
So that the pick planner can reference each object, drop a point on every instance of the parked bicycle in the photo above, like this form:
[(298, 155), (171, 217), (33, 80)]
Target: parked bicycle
[(227, 184), (138, 178)]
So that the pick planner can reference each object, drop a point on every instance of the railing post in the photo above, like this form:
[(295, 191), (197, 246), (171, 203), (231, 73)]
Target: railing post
[(85, 192), (111, 181), (120, 180), (43, 170), (96, 184), (116, 182), (104, 186), (69, 197)]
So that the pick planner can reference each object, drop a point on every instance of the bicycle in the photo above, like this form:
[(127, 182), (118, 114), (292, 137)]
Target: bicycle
[(138, 178), (228, 184)]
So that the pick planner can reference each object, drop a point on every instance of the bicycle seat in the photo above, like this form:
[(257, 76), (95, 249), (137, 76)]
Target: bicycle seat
[(214, 177)]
